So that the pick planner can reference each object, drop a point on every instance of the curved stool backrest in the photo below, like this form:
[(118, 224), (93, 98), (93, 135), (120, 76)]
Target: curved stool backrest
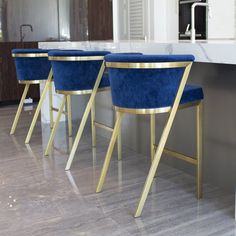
[(31, 64), (145, 81), (77, 70)]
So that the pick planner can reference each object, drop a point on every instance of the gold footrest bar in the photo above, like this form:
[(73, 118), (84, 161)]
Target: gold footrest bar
[(178, 155), (102, 126), (57, 110)]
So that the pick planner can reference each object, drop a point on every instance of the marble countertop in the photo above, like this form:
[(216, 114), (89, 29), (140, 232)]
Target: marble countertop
[(206, 51)]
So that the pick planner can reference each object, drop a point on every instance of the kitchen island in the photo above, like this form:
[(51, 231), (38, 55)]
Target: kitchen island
[(214, 70)]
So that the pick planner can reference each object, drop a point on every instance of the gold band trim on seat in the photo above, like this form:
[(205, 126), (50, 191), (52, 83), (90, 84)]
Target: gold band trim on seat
[(81, 92), (76, 58), (29, 55), (154, 110), (30, 81), (147, 65)]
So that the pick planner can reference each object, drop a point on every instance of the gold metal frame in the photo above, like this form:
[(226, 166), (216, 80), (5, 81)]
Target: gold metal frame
[(160, 148), (30, 81), (147, 65), (81, 92), (19, 110), (27, 84), (75, 58), (154, 111), (29, 55)]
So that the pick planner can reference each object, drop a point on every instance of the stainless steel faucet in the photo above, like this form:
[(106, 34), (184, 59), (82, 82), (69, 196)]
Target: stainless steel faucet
[(21, 30), (197, 4)]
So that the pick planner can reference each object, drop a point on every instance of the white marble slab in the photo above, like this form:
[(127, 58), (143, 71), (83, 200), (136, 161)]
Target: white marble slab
[(208, 51)]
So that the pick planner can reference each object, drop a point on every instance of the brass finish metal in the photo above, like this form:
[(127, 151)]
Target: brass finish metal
[(36, 114), (152, 135), (50, 105), (53, 133), (148, 65), (81, 92), (180, 156), (30, 81), (102, 126), (85, 117), (109, 153), (74, 58), (19, 110), (69, 113), (29, 55), (199, 137), (93, 125), (119, 142), (155, 111), (162, 142)]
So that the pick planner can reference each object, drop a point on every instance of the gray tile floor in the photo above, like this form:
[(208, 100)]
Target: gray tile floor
[(37, 197)]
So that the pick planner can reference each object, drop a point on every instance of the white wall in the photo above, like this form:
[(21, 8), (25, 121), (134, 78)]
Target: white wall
[(166, 18), (222, 23)]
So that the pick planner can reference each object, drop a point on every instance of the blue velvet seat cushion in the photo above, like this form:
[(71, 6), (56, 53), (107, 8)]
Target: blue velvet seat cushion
[(31, 68), (149, 88), (77, 75)]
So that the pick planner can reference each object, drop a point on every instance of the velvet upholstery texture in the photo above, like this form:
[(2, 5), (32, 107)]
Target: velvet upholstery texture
[(31, 68), (77, 75), (149, 88)]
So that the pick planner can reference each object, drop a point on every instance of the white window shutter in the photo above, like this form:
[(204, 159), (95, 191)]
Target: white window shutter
[(136, 19)]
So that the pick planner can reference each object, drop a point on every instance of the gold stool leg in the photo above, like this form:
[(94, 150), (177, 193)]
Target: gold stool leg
[(152, 135), (109, 152), (69, 115), (19, 109), (158, 154), (199, 149), (85, 117), (119, 143), (93, 127), (55, 126), (50, 105), (36, 114), (162, 143)]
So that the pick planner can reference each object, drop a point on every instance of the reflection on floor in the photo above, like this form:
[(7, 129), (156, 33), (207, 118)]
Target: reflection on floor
[(37, 197)]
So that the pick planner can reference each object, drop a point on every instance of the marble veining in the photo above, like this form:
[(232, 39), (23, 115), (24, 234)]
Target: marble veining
[(207, 51)]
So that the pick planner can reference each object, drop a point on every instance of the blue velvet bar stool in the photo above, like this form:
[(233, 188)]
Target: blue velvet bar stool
[(152, 84), (32, 67), (78, 73), (48, 89)]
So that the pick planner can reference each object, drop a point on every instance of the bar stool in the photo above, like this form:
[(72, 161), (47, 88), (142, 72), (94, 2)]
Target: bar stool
[(48, 88), (151, 84), (79, 73), (32, 67)]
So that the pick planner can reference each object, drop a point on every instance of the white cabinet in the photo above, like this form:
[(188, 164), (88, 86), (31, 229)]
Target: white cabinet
[(145, 19), (222, 23), (166, 19)]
